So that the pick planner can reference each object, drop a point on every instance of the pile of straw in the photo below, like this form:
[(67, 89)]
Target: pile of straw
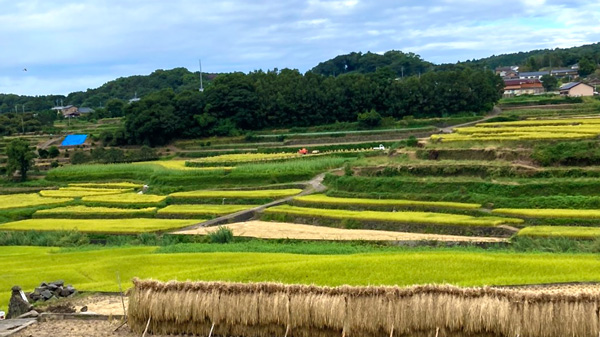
[(268, 310)]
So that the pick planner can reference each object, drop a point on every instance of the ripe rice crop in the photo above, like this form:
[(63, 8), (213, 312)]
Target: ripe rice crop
[(400, 217), (539, 122), (29, 200), (242, 158), (199, 210), (253, 194), (323, 199), (572, 232), (118, 185), (550, 213), (78, 192), (514, 136), (132, 199), (132, 226), (85, 212), (181, 165)]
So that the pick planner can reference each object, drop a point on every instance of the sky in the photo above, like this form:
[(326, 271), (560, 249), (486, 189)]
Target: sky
[(67, 45)]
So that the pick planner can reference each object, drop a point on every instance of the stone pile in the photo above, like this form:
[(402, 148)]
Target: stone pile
[(51, 290)]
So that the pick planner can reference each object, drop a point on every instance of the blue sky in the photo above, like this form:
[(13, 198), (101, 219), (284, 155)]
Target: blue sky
[(68, 45)]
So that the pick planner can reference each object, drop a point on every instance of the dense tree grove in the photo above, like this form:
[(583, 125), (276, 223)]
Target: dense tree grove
[(107, 95), (544, 58), (396, 62), (238, 102)]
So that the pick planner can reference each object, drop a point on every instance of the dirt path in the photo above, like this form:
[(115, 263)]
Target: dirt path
[(280, 230)]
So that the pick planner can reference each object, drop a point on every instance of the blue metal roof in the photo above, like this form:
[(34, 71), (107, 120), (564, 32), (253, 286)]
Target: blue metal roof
[(72, 140)]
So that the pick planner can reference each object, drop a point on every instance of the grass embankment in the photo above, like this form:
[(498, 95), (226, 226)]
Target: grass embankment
[(112, 185), (236, 197), (125, 226), (78, 192), (95, 269), (550, 213)]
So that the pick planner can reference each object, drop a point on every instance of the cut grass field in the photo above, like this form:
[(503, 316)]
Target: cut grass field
[(12, 201), (126, 199), (95, 269), (323, 199), (400, 217), (281, 230), (254, 194), (85, 212), (200, 210), (117, 226), (571, 232), (550, 213)]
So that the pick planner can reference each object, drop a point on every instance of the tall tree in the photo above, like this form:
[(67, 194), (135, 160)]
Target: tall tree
[(20, 158)]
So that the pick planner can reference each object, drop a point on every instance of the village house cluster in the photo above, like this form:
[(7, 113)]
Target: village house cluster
[(530, 83)]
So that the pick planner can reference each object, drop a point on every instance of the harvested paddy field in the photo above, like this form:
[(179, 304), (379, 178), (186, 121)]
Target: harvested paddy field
[(281, 230)]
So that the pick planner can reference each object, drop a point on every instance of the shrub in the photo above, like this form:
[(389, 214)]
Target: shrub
[(412, 141), (53, 152), (369, 119), (43, 153), (221, 235), (80, 157)]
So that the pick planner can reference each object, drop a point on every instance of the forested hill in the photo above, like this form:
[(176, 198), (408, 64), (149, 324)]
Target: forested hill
[(124, 88), (542, 58), (396, 62)]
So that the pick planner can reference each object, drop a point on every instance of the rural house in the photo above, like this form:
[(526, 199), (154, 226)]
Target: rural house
[(533, 74), (515, 87), (576, 89), (508, 72)]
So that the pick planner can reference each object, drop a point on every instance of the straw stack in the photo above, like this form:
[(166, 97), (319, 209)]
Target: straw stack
[(268, 310)]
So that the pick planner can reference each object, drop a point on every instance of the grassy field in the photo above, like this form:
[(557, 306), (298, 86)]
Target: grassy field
[(400, 217), (124, 226), (96, 269)]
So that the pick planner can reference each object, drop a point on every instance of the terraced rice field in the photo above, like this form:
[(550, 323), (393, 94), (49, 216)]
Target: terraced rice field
[(122, 226), (281, 230), (400, 217), (572, 232), (126, 199), (327, 200), (78, 192), (117, 185), (236, 194), (537, 129), (180, 165), (550, 213), (12, 201), (242, 158), (200, 210), (94, 212)]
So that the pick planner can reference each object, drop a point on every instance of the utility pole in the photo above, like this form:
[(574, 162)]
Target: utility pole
[(200, 64), (22, 124)]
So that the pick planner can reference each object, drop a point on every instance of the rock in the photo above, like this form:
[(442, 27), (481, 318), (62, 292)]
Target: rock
[(84, 309), (58, 283), (52, 287), (47, 294), (18, 304), (64, 292), (38, 290), (43, 284), (30, 314), (71, 288)]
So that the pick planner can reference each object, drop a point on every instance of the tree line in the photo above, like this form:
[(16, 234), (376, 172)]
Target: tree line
[(237, 102)]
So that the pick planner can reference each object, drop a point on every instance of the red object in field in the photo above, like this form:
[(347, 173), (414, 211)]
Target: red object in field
[(303, 151)]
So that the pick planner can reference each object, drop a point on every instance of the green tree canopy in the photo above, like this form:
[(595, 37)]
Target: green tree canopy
[(20, 158), (549, 82)]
